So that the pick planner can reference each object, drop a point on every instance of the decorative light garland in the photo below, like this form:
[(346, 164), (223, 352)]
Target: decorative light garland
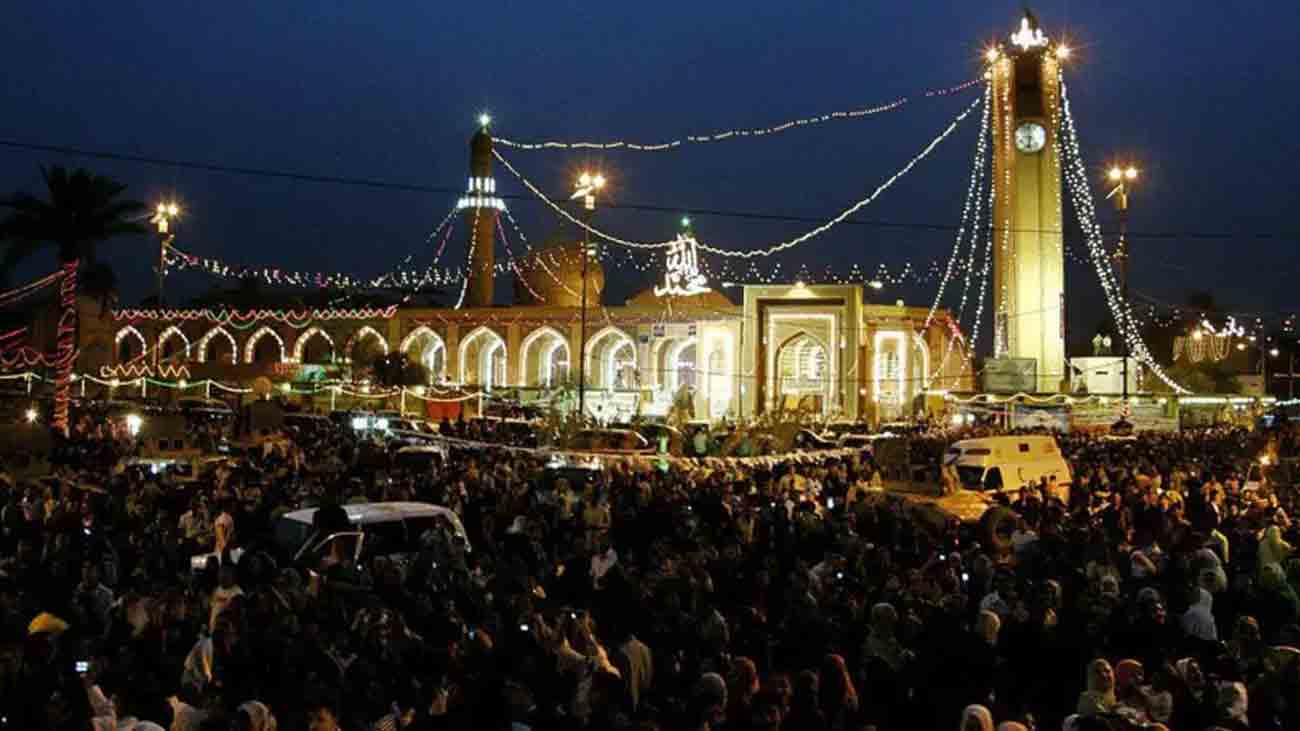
[(17, 294), (1081, 192), (175, 258), (731, 134), (972, 195), (771, 249), (469, 258), (227, 316), (539, 256), (501, 230)]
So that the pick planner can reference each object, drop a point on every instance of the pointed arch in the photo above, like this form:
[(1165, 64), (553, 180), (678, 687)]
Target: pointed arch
[(433, 358), (609, 350), (673, 365), (488, 367), (364, 332), (546, 364), (122, 344), (250, 345), (202, 345), (300, 345), (168, 334)]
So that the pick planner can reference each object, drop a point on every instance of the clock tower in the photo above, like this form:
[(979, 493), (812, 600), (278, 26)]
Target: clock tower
[(1028, 257)]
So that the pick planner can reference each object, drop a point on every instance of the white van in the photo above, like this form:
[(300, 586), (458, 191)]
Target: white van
[(1006, 463)]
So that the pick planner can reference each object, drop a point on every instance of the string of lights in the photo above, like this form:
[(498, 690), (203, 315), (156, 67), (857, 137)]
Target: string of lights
[(972, 196), (737, 133), (773, 248), (227, 317), (469, 258), (975, 193), (510, 256), (399, 277), (1081, 195), (20, 293)]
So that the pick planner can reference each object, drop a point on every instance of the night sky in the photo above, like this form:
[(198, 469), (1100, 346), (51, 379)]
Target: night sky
[(1202, 94)]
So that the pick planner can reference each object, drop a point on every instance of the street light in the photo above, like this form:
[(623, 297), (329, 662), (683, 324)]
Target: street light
[(1122, 176), (588, 185), (163, 215)]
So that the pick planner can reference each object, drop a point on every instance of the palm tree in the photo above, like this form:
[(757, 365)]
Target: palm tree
[(83, 209)]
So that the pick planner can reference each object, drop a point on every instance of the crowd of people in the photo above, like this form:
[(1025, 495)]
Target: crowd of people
[(650, 595)]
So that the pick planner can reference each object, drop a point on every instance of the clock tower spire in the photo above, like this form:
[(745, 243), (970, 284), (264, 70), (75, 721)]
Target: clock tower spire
[(1028, 257)]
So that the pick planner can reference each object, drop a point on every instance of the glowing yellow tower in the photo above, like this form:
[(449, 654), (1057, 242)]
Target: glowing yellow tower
[(1028, 258)]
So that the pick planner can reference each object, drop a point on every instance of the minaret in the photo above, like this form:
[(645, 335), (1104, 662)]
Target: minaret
[(479, 208), (1028, 258)]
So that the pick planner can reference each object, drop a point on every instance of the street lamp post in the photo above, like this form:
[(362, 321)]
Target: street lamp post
[(162, 218), (1122, 178), (588, 185)]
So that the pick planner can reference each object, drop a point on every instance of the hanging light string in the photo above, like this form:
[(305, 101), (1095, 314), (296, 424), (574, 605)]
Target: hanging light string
[(469, 259), (176, 258), (768, 250), (1081, 195), (975, 201), (988, 264), (972, 197), (18, 294), (399, 273), (739, 133), (539, 256), (501, 230)]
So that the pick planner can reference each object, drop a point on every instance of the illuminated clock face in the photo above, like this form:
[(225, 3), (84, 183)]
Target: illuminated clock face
[(1030, 137)]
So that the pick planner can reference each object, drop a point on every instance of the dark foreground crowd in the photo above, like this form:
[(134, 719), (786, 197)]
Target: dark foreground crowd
[(793, 597)]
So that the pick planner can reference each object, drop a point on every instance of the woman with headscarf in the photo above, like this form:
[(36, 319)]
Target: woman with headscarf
[(1100, 696), (976, 718), (742, 685), (884, 660), (1198, 620), (1193, 705), (839, 699), (805, 712), (1129, 678), (1276, 602), (1246, 646), (1233, 706), (882, 644), (1273, 549), (255, 716)]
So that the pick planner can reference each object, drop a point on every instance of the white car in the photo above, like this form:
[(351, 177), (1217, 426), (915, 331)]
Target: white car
[(390, 528)]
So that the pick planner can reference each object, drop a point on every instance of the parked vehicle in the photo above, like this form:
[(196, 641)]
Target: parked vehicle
[(306, 538), (1006, 463)]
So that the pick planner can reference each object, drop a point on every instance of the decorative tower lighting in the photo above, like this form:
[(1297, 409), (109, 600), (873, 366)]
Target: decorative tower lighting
[(1028, 260), (480, 207)]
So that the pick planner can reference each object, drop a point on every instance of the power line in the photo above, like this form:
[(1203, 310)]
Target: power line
[(379, 184)]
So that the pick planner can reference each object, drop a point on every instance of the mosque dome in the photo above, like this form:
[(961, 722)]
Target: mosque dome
[(551, 274)]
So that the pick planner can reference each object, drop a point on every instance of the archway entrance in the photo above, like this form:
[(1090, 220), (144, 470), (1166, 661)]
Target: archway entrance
[(425, 347), (802, 374), (483, 359), (544, 362)]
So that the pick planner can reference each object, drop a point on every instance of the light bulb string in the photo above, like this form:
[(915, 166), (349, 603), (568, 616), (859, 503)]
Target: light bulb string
[(738, 133), (1081, 192), (977, 167), (768, 250), (469, 259), (501, 231)]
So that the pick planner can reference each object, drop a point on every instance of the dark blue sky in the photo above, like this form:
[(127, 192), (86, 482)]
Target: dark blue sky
[(1202, 93)]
